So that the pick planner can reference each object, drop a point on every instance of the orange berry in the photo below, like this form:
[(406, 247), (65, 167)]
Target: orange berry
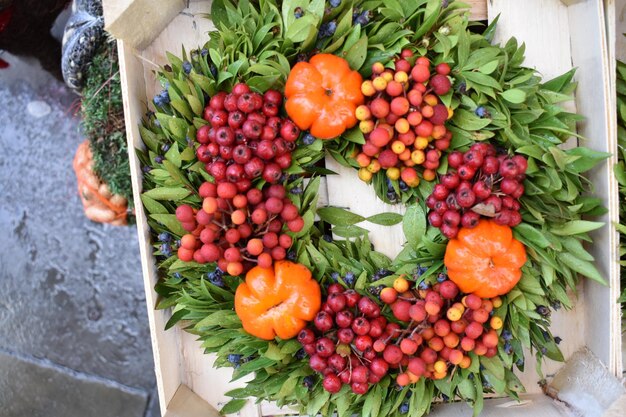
[(431, 99), (454, 314), (394, 88), (255, 246), (403, 379), (418, 157), (240, 201), (495, 323), (379, 83), (432, 308), (234, 268), (388, 295), (427, 111), (466, 362), (497, 302), (378, 67), (440, 366), (188, 241), (408, 346), (401, 77), (439, 131), (405, 156), (363, 112), (393, 173), (412, 377), (420, 73), (367, 88), (429, 175), (401, 284), (402, 125), (238, 217), (420, 143), (209, 205), (451, 340), (365, 175), (264, 260), (184, 254), (374, 166), (387, 75), (397, 147), (366, 126), (363, 160)]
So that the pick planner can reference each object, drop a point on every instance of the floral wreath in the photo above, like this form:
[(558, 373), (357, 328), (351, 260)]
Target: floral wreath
[(436, 118)]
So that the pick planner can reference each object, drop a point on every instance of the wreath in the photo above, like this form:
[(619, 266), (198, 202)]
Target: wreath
[(436, 118)]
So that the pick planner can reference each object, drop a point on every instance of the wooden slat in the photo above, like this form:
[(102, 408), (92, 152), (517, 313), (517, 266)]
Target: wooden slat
[(479, 9), (188, 404)]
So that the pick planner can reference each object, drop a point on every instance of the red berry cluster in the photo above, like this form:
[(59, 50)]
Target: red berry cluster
[(238, 230), (403, 119), (442, 327), (480, 183), (245, 138), (341, 344)]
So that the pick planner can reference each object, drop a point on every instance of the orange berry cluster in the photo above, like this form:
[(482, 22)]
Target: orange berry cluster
[(403, 120), (443, 326), (238, 230)]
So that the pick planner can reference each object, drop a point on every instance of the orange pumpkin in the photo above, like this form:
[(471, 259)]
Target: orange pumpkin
[(485, 260), (322, 95), (277, 301)]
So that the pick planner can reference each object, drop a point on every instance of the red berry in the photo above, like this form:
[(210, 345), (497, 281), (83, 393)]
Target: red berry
[(332, 383), (345, 335), (393, 354), (470, 219), (455, 159), (324, 346)]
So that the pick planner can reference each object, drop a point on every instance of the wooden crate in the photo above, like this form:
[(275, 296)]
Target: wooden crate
[(558, 35)]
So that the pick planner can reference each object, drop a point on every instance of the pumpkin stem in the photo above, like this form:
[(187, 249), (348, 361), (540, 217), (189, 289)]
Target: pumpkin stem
[(491, 264), (329, 92)]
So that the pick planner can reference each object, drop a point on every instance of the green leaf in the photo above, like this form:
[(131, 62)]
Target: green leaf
[(168, 193), (233, 406), (385, 219), (469, 121), (576, 227), (170, 222), (153, 206), (514, 95), (313, 407), (357, 53), (300, 29), (349, 231), (531, 234), (414, 224), (338, 216), (273, 352), (489, 67), (588, 158), (585, 268)]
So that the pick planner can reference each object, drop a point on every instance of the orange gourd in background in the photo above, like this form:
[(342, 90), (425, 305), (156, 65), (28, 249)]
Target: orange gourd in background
[(277, 301), (322, 95), (485, 260)]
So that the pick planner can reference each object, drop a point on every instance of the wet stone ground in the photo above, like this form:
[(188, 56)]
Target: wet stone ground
[(74, 337)]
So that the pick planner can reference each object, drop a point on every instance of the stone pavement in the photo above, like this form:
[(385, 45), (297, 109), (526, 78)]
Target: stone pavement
[(74, 337)]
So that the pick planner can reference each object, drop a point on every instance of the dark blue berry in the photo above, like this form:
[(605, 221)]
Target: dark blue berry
[(296, 190), (520, 362), (471, 377), (423, 285), (157, 123), (556, 305), (327, 29), (362, 19), (215, 278), (177, 275), (384, 272), (441, 277), (300, 354), (165, 96), (146, 169), (335, 276), (291, 255), (308, 139), (234, 359), (165, 147), (187, 67), (166, 250), (158, 159), (298, 12), (558, 340), (545, 334), (445, 398), (391, 196), (421, 270), (487, 385), (165, 237), (334, 3), (462, 89), (328, 238), (506, 334), (508, 349), (204, 52), (403, 186), (481, 112), (376, 290), (349, 278), (544, 350), (404, 408), (309, 381), (543, 310), (213, 70)]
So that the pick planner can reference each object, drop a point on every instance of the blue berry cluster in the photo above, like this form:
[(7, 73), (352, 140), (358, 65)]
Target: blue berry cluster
[(166, 250), (403, 186), (164, 237), (362, 18), (158, 159), (423, 285), (349, 278), (404, 408), (296, 190), (216, 277), (543, 310), (309, 381), (391, 192), (308, 139), (161, 99), (380, 274), (481, 112), (334, 3), (234, 359), (187, 67), (327, 29)]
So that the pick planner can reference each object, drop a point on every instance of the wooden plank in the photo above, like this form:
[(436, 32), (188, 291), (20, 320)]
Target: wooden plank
[(164, 344), (479, 9), (138, 22), (589, 45), (619, 21)]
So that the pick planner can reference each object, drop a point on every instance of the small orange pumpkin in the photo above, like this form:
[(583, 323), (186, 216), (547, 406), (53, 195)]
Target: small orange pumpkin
[(322, 95), (277, 301), (485, 260)]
